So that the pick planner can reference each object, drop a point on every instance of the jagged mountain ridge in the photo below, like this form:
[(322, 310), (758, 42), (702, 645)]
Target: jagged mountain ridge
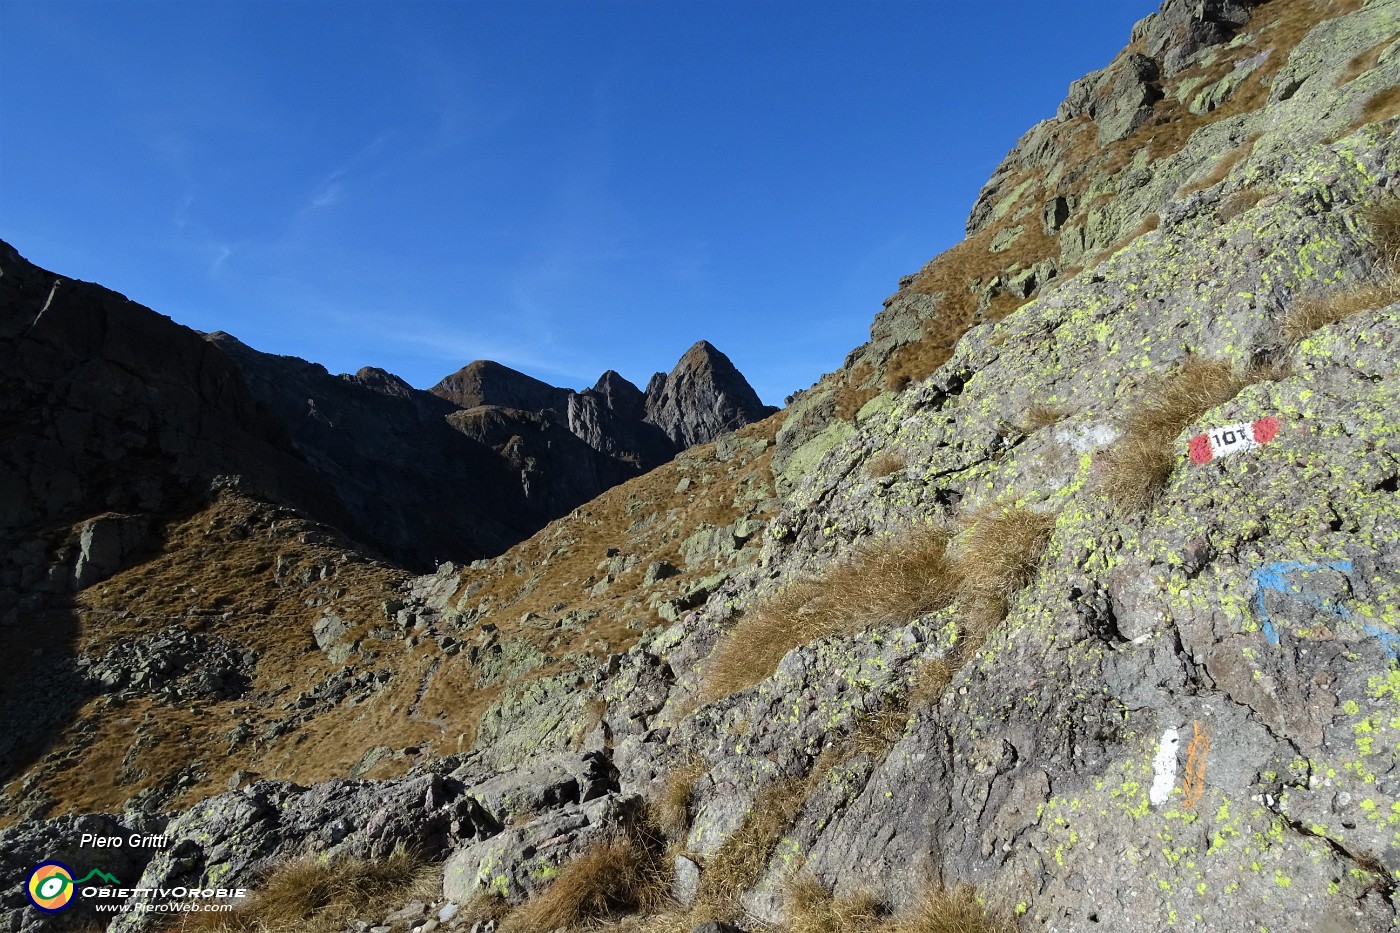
[(1185, 715), (702, 397), (401, 469)]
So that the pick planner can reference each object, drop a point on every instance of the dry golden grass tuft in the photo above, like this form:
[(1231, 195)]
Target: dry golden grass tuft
[(876, 733), (1134, 469), (1196, 387), (1383, 217), (930, 680), (978, 617), (741, 858), (997, 557), (891, 582), (1139, 462), (954, 910), (751, 650), (313, 896), (483, 907), (1001, 550), (884, 463), (1310, 312), (672, 805), (624, 874), (1040, 416), (1237, 203), (811, 908)]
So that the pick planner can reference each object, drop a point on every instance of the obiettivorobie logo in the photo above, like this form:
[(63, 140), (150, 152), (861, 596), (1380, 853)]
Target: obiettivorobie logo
[(51, 888), (51, 885)]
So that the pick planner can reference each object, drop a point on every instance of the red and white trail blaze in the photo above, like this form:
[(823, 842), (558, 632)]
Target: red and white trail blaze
[(1231, 439)]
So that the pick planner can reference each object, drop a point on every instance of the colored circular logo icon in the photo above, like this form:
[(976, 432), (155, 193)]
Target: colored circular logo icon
[(50, 887)]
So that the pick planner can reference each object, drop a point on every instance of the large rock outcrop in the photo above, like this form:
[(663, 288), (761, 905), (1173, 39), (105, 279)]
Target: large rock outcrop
[(110, 406), (1174, 711), (1191, 95), (413, 486)]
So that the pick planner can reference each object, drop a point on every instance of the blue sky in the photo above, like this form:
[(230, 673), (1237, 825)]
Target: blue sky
[(562, 187)]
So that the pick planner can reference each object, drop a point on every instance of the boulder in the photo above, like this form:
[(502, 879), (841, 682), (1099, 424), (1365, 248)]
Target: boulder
[(105, 544), (522, 860)]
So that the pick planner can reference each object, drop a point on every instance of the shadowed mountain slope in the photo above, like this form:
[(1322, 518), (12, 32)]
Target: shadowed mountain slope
[(110, 406)]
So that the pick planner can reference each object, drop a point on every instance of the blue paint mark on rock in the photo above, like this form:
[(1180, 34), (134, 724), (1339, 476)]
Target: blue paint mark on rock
[(1389, 640), (1276, 577)]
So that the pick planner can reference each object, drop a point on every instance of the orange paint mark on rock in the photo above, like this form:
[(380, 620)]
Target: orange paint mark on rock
[(1194, 784)]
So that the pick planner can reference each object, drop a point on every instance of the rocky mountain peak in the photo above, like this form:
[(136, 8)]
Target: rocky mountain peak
[(486, 382), (702, 397), (612, 381), (383, 382), (620, 395)]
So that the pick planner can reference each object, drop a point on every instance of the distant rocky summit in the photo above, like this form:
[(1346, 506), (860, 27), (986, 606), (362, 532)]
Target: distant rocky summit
[(1069, 603), (703, 397)]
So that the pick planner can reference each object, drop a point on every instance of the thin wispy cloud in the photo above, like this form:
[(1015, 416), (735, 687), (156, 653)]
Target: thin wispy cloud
[(329, 195), (456, 348), (182, 213), (332, 188), (221, 255)]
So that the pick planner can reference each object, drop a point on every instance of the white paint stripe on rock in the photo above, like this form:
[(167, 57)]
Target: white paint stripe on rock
[(1164, 766)]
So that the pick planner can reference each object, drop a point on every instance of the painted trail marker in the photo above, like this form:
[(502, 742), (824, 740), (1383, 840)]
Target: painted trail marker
[(1164, 768), (1283, 577), (1196, 754), (1231, 439)]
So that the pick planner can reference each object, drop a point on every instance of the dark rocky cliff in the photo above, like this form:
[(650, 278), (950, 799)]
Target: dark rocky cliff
[(108, 406)]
